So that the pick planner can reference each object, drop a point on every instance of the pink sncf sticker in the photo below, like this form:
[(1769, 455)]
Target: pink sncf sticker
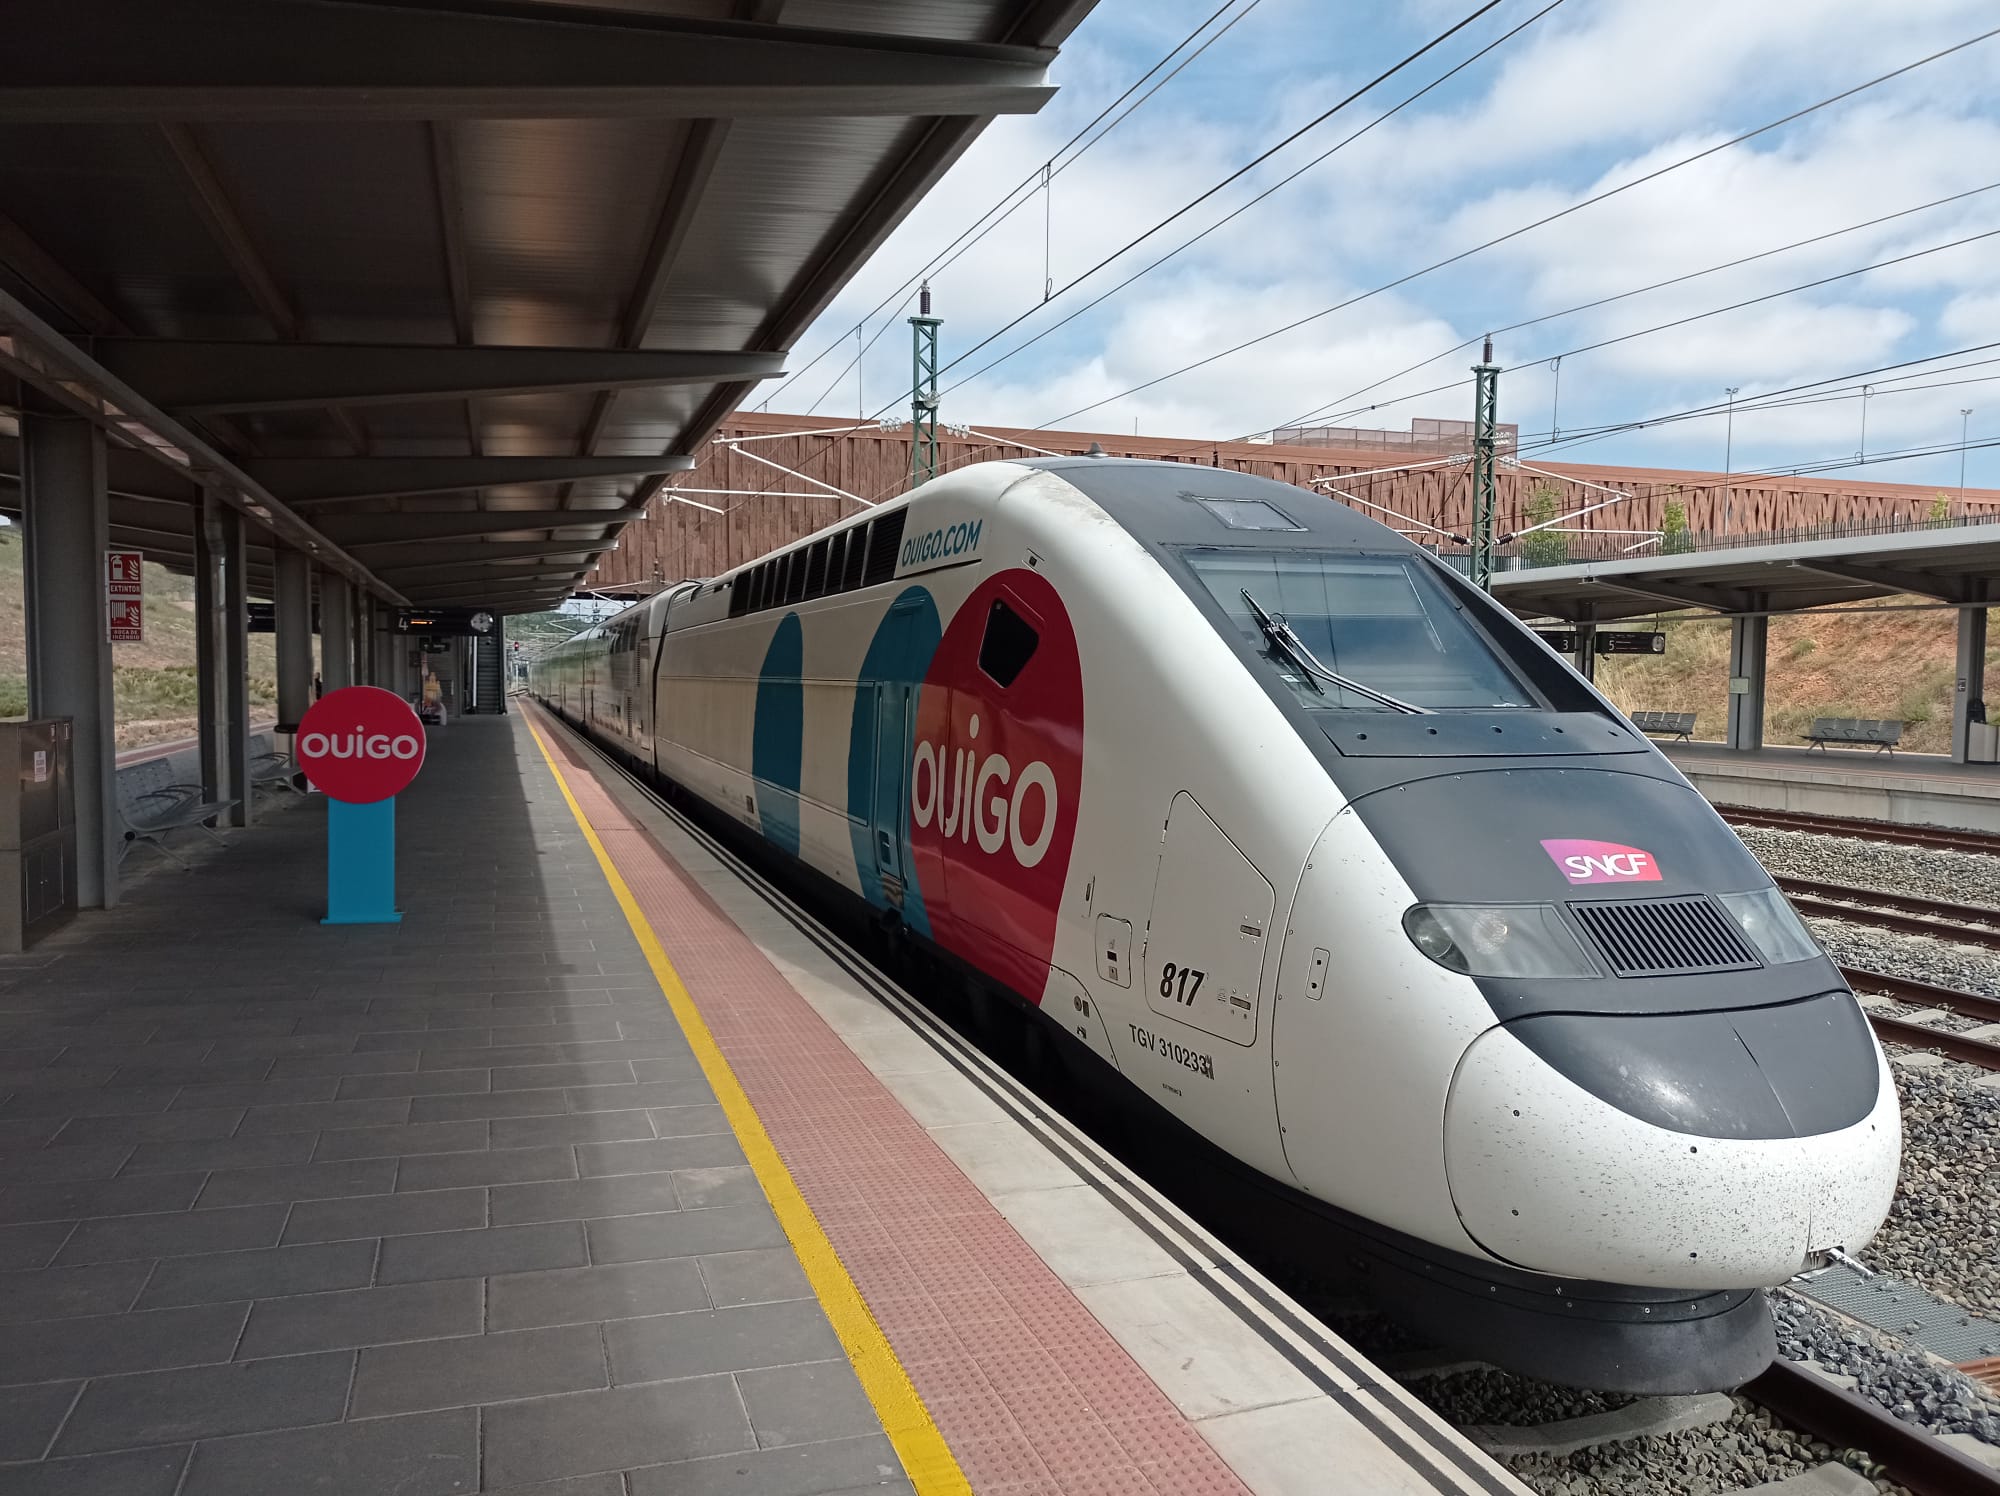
[(1602, 862)]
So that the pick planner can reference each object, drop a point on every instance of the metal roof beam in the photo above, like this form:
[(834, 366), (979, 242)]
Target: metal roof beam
[(128, 471), (108, 61), (374, 532), (422, 557), (203, 377), (547, 591), (311, 481), (863, 234), (1681, 595), (1892, 579)]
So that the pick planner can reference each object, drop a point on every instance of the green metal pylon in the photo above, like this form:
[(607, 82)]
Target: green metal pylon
[(1485, 439), (923, 391)]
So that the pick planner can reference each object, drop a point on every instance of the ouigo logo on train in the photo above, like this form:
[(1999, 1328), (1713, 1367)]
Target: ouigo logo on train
[(994, 780)]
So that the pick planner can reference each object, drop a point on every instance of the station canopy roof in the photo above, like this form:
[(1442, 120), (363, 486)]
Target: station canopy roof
[(440, 292), (1957, 563)]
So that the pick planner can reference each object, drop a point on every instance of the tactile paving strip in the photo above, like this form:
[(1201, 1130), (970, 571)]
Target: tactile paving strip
[(1033, 1395)]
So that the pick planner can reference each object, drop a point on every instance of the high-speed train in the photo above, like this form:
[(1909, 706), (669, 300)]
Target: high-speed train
[(1326, 855)]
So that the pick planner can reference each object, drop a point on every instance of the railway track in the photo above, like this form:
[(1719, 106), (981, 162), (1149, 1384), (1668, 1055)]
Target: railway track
[(1917, 1460), (1967, 924), (1884, 831), (1792, 1394), (1955, 1046)]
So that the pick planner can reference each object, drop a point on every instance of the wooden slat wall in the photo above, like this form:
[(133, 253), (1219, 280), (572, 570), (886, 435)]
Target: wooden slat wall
[(771, 509)]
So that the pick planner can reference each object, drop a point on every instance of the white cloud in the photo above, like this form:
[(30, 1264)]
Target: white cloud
[(1592, 96)]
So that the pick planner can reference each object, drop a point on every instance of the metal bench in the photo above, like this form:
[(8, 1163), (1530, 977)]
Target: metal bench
[(1882, 734), (1669, 724), (152, 806), (270, 768)]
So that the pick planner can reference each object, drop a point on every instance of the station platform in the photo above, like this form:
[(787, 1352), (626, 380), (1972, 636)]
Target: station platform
[(1913, 789), (607, 1172)]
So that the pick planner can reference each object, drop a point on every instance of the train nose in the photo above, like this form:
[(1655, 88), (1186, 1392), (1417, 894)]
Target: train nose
[(1685, 1150)]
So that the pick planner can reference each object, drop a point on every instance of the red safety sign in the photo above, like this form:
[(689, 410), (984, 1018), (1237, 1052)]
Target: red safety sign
[(124, 605), (125, 617), (360, 744)]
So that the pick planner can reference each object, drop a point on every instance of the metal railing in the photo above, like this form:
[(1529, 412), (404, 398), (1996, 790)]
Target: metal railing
[(1534, 552)]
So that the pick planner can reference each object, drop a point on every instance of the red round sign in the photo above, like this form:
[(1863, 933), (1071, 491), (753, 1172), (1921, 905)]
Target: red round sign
[(360, 744)]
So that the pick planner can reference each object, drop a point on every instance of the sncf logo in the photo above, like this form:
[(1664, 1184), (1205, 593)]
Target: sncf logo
[(1602, 862)]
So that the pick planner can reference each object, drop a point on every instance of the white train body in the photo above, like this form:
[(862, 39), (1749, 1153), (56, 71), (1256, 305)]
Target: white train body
[(1043, 733)]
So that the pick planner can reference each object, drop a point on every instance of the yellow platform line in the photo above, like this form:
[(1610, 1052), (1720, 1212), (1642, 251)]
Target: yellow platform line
[(927, 1460)]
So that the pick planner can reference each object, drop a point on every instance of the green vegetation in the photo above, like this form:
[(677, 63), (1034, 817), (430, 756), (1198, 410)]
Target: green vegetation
[(1674, 536), (153, 682), (1543, 547), (1941, 507)]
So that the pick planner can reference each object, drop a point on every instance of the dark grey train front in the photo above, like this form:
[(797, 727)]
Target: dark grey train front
[(1492, 1002)]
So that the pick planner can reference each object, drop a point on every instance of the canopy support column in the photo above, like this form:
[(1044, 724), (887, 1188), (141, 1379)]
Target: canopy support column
[(67, 526)]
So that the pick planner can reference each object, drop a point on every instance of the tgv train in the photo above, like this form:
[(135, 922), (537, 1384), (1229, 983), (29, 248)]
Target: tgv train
[(1325, 854)]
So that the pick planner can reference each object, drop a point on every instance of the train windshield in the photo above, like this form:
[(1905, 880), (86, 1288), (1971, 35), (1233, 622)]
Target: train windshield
[(1382, 621)]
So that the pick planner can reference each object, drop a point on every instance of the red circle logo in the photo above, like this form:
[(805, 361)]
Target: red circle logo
[(360, 744)]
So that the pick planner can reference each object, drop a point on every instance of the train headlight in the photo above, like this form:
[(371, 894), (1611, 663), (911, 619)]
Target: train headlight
[(1770, 923), (1497, 940)]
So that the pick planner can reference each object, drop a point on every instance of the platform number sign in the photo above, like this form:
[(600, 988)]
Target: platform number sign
[(124, 602)]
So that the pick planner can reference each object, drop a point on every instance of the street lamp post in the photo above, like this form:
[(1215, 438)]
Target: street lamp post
[(1964, 425), (1728, 452)]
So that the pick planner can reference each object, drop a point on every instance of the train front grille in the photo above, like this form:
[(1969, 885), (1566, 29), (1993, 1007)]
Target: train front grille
[(1663, 937)]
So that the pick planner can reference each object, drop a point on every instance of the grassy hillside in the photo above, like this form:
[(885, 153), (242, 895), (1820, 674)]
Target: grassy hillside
[(1873, 663), (153, 681)]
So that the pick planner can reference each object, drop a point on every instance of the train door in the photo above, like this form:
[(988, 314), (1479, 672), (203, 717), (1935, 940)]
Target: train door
[(1204, 958), (893, 710)]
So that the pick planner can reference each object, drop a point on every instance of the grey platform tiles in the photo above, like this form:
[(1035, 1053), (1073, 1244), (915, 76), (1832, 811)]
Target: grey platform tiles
[(441, 1208)]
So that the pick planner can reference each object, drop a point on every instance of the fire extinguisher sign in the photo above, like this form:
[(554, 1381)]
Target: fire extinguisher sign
[(124, 603)]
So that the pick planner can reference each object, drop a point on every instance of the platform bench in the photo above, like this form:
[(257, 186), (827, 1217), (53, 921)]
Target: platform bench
[(1861, 732), (152, 806), (1669, 724), (270, 767)]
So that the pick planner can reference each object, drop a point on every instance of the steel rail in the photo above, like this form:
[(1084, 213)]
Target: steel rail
[(1923, 994), (1965, 924), (1944, 1041), (1910, 836), (1921, 1461), (1940, 909)]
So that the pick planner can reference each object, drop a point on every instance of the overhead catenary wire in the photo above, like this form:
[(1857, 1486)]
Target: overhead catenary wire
[(1251, 165), (1692, 317), (1318, 412), (1237, 212), (1023, 191), (1561, 213)]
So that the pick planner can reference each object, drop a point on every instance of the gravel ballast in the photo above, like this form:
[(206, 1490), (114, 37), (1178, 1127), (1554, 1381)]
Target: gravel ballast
[(1930, 872)]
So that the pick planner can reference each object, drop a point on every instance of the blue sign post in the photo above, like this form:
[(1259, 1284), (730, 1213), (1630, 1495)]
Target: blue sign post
[(360, 746), (361, 863)]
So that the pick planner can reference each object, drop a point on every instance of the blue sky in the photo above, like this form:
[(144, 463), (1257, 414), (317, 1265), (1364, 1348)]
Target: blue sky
[(1593, 94)]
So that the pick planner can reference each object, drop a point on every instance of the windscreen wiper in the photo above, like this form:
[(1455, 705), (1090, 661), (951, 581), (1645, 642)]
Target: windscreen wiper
[(1289, 644)]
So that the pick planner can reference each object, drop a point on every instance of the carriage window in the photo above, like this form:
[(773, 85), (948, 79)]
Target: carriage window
[(857, 556), (1008, 645), (815, 570), (739, 595), (836, 557)]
